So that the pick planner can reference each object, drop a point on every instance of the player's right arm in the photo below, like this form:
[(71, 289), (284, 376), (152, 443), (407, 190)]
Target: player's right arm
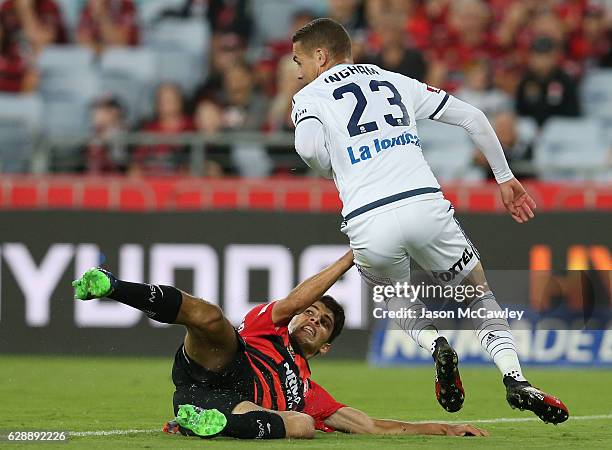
[(351, 420), (435, 104), (310, 137), (310, 290), (517, 201)]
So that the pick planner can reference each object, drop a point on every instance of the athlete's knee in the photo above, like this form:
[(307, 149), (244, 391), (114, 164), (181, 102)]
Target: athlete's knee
[(299, 426), (477, 282), (200, 314), (210, 318), (245, 407)]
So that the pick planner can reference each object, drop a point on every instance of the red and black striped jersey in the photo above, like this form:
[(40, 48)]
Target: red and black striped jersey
[(282, 375)]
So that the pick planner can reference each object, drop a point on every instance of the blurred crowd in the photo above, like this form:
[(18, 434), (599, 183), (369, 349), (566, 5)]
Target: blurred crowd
[(510, 58)]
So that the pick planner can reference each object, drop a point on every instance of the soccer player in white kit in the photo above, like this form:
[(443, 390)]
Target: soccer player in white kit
[(356, 123)]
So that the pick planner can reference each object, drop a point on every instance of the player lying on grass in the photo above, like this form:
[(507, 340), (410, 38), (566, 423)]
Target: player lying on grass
[(254, 382)]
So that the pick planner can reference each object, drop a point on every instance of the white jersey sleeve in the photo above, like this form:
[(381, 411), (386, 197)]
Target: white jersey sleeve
[(473, 120), (429, 102), (310, 141)]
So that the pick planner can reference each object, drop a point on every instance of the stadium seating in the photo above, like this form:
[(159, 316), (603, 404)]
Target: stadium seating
[(571, 149), (182, 47), (252, 160), (448, 150), (131, 74), (19, 119), (69, 82), (596, 94), (64, 58), (528, 130), (60, 66), (272, 19), (150, 10)]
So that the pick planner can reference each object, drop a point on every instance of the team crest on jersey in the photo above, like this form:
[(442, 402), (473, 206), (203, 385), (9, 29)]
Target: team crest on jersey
[(291, 351), (299, 113)]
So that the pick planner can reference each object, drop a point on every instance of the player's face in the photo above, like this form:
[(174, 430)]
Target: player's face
[(312, 329), (309, 63)]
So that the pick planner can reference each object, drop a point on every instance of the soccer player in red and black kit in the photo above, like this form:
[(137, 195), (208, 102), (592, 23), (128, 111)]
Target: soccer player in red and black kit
[(254, 382)]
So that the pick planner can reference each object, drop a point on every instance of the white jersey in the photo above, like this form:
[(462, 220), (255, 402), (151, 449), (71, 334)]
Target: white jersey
[(371, 144)]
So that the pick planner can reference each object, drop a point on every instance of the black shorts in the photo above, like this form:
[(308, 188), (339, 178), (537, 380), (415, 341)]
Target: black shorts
[(221, 390)]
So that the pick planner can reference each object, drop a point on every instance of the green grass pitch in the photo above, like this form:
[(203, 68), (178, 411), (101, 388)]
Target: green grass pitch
[(95, 394)]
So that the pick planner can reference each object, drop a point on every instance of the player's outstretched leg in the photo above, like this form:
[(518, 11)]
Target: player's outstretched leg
[(211, 339), (497, 339), (252, 423), (161, 303), (449, 390)]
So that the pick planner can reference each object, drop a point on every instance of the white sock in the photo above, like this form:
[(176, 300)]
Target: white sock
[(496, 338), (422, 330), (426, 338)]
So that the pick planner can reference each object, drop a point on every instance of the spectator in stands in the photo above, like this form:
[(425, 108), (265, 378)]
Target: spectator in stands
[(16, 74), (266, 67), (245, 109), (479, 91), (377, 13), (513, 18), (279, 117), (591, 44), (227, 51), (524, 22), (516, 148), (170, 118), (103, 154), (32, 23), (395, 54), (208, 120), (224, 16), (546, 90), (467, 39), (349, 13), (105, 23)]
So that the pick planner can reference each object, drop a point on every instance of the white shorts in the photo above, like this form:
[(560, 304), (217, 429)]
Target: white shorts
[(426, 230)]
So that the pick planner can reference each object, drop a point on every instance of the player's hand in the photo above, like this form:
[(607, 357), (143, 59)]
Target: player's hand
[(517, 201), (465, 430)]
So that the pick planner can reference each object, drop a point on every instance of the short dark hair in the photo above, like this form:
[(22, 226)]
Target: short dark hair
[(325, 33), (338, 312)]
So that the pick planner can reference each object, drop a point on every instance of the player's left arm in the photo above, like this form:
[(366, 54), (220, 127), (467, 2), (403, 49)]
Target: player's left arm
[(517, 201), (310, 290), (351, 420)]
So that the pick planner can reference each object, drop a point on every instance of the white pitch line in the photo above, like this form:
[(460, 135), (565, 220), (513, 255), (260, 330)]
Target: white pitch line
[(498, 420), (111, 432), (521, 419)]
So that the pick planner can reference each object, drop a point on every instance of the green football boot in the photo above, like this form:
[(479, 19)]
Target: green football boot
[(202, 422), (95, 283)]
